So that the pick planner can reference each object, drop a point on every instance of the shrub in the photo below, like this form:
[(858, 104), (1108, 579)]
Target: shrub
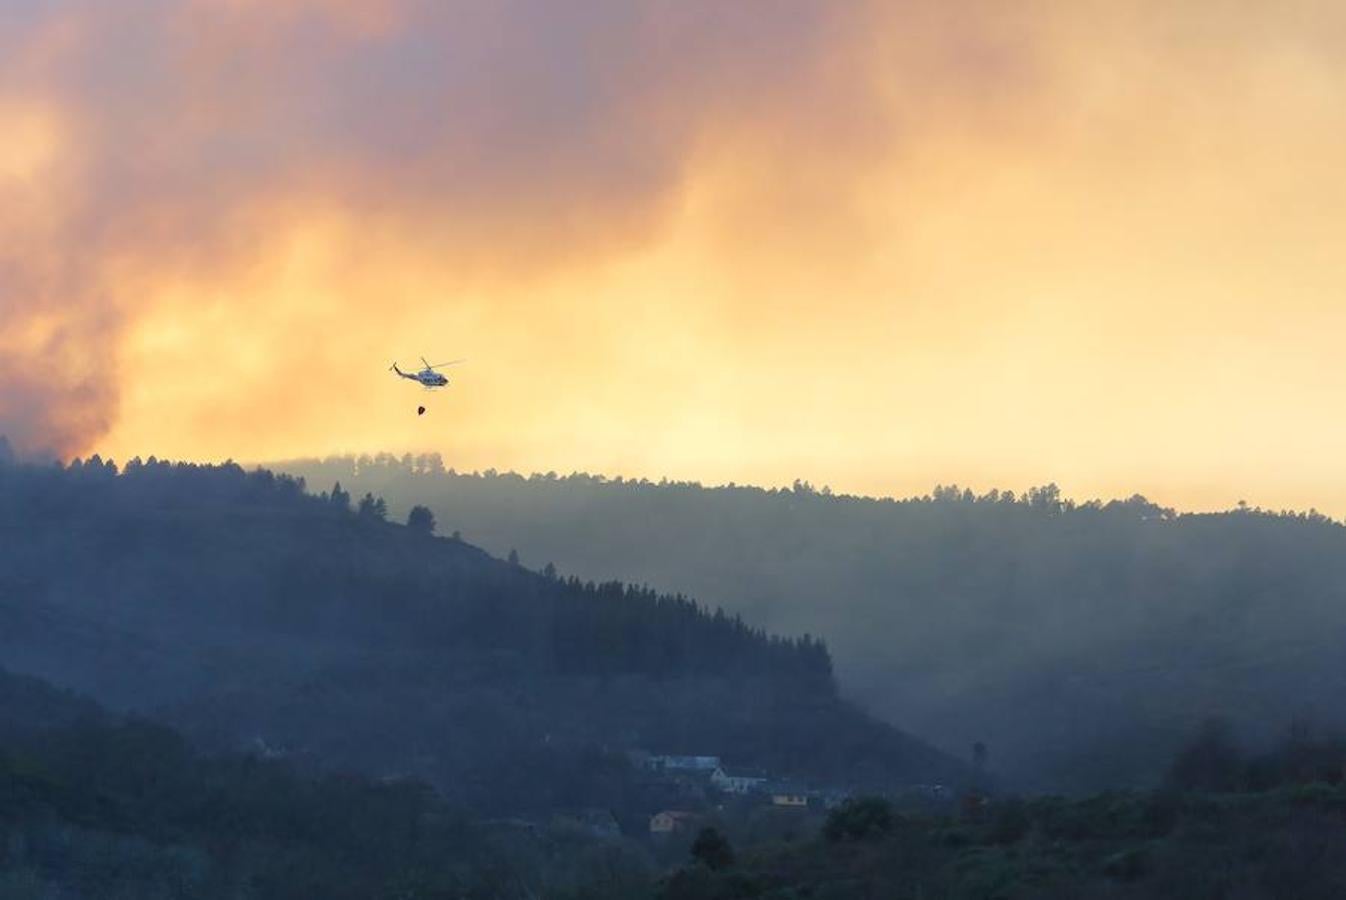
[(712, 849), (859, 819)]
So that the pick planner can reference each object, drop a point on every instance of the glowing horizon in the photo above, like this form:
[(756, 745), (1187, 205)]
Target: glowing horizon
[(879, 246)]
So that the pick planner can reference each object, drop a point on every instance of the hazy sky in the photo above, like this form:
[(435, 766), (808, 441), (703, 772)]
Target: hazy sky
[(877, 245)]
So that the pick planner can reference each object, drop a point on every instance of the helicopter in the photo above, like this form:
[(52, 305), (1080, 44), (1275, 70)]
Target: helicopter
[(428, 377)]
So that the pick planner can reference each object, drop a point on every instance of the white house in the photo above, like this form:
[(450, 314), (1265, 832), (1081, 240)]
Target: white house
[(703, 764), (789, 795), (737, 781)]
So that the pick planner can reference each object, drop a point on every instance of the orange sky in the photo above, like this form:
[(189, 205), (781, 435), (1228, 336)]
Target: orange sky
[(875, 245)]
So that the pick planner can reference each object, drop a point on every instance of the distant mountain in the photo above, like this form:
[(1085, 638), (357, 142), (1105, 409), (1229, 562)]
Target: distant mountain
[(253, 615), (1080, 642)]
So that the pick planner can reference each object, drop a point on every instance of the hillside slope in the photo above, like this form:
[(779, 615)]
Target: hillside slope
[(1079, 642), (99, 806), (251, 614)]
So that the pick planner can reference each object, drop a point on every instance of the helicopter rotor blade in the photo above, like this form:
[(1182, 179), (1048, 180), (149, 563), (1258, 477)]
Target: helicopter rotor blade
[(452, 362)]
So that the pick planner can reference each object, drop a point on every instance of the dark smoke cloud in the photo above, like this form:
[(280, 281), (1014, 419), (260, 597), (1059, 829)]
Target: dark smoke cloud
[(508, 135)]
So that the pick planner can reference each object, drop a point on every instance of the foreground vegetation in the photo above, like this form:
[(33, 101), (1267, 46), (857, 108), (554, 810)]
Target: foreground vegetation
[(1284, 843), (1226, 823), (97, 806)]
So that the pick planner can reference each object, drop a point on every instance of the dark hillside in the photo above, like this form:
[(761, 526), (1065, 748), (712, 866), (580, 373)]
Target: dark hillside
[(1080, 642), (96, 806), (253, 614)]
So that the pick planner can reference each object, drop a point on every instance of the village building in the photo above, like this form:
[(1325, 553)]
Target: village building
[(690, 764), (738, 781), (672, 821), (788, 795)]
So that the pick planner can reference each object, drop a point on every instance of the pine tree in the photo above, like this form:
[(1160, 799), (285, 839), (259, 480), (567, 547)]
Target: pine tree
[(421, 520), (372, 507), (339, 498)]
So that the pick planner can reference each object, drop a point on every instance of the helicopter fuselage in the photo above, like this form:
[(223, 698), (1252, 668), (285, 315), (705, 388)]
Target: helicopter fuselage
[(425, 377), (431, 379)]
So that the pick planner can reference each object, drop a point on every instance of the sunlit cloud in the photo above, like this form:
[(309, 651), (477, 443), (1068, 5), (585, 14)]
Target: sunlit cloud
[(877, 245)]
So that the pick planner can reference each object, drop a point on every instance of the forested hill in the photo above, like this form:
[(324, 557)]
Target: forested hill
[(1080, 642), (247, 611), (95, 805)]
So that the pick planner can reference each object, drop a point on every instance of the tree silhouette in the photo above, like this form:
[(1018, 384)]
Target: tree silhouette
[(712, 850), (338, 498), (372, 507), (858, 819), (1210, 761), (421, 520)]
